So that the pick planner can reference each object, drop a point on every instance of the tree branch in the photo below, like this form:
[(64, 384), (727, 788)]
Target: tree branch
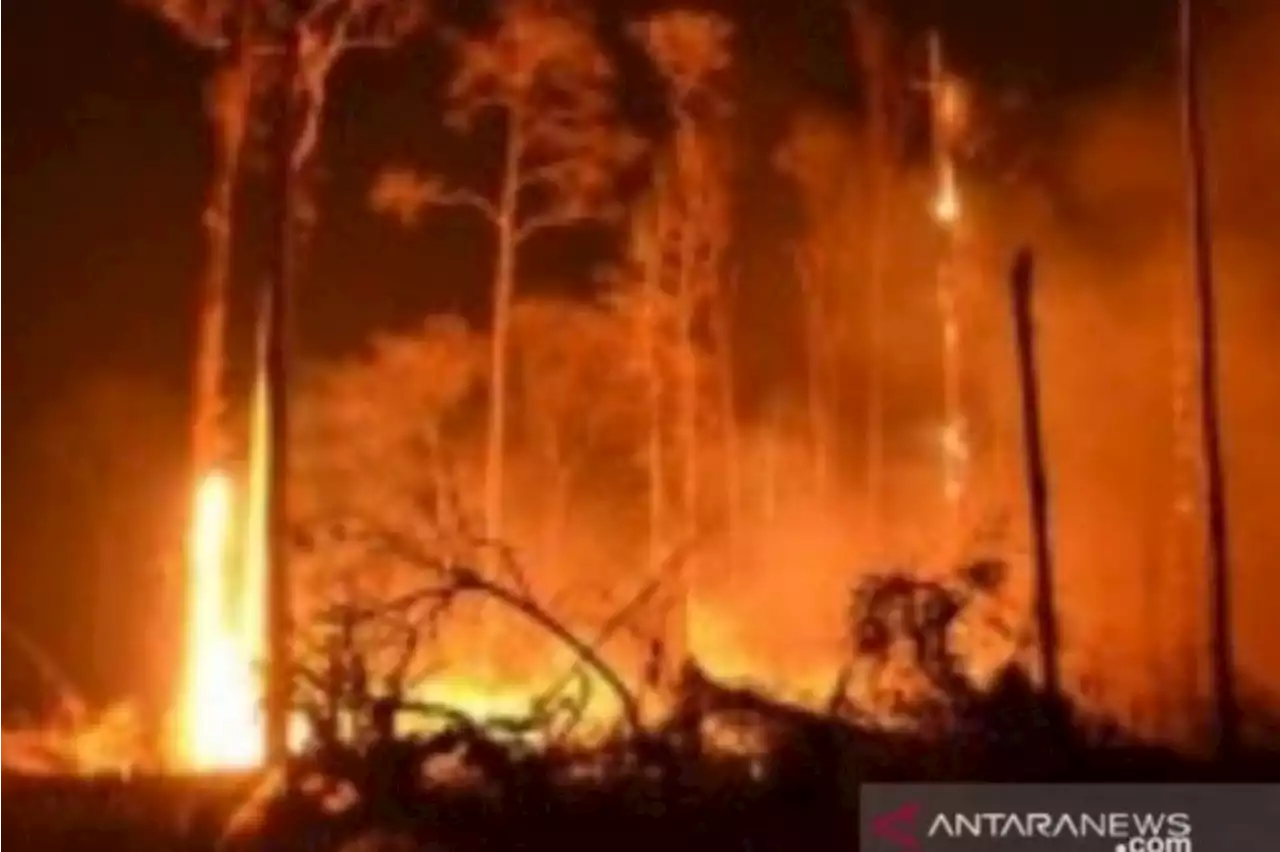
[(560, 216), (461, 580)]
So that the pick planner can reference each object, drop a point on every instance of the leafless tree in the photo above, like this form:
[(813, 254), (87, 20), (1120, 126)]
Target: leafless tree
[(691, 50), (246, 36), (541, 74), (639, 297), (276, 58), (683, 233)]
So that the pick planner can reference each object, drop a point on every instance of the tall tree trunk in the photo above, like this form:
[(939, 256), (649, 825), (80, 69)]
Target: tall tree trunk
[(689, 177), (954, 442), (229, 105), (1038, 497), (688, 385), (651, 330), (503, 295), (283, 115), (1221, 649), (655, 456)]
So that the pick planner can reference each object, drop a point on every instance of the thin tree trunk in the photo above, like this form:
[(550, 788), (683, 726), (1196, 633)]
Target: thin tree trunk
[(1038, 497), (230, 99), (871, 44), (688, 382), (1221, 649), (651, 289), (954, 444), (503, 295), (283, 115)]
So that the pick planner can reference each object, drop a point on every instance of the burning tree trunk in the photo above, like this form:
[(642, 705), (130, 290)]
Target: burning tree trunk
[(687, 304), (304, 43), (1221, 650), (504, 275), (280, 286), (871, 37), (653, 326), (229, 95), (1037, 490), (689, 50), (308, 49), (945, 125)]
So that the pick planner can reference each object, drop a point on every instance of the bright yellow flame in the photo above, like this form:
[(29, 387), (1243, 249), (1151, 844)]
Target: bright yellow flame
[(946, 204), (221, 723)]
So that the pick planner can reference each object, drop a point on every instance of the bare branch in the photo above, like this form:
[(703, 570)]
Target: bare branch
[(563, 215), (403, 194), (691, 50), (457, 580), (207, 24)]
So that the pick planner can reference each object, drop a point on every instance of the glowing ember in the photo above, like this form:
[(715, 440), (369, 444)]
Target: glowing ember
[(221, 723), (946, 204)]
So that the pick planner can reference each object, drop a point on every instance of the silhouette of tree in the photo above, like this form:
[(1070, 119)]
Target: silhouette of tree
[(247, 36), (541, 74), (1222, 647), (691, 51)]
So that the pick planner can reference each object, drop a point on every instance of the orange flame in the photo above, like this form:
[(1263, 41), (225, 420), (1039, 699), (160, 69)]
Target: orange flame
[(221, 723)]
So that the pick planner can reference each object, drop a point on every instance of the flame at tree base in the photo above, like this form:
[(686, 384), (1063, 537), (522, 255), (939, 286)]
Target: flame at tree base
[(221, 720)]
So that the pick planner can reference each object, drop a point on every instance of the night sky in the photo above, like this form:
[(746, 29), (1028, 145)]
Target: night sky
[(106, 160)]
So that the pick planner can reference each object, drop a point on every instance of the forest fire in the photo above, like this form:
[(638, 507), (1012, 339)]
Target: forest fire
[(221, 722), (636, 419)]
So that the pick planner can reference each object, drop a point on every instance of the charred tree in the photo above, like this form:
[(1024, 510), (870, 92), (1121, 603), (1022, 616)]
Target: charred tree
[(1196, 156), (1037, 488), (281, 112)]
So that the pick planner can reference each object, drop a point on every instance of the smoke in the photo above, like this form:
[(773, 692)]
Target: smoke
[(1103, 207), (1116, 315)]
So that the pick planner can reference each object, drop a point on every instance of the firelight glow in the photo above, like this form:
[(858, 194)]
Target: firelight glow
[(222, 726), (946, 204)]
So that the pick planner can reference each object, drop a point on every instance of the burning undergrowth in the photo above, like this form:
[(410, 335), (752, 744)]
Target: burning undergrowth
[(74, 738), (383, 761), (903, 702)]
